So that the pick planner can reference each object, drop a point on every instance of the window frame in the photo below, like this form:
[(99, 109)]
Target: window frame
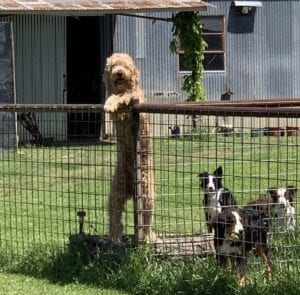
[(219, 52)]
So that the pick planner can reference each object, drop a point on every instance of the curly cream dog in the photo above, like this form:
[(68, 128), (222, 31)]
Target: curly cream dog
[(121, 78)]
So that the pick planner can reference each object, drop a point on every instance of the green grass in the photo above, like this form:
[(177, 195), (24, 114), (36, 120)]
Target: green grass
[(42, 188), (251, 165), (17, 284)]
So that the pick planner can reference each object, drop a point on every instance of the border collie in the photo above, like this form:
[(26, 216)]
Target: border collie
[(236, 233), (278, 204), (216, 197)]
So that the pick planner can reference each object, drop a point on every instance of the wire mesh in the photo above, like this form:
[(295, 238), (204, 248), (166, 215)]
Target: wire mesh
[(52, 181), (46, 182)]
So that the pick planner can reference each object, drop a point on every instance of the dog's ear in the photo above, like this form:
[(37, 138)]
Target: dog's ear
[(291, 193), (218, 172), (292, 189), (273, 193), (135, 77)]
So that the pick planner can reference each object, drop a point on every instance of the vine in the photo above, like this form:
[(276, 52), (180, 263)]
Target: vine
[(187, 30)]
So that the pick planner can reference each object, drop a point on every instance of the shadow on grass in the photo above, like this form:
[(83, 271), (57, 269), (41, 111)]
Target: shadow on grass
[(138, 271)]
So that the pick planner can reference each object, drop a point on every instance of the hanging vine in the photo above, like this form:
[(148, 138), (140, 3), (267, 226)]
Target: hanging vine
[(187, 32)]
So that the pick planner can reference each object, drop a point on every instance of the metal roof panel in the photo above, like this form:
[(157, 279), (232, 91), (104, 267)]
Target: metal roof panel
[(247, 3), (96, 6)]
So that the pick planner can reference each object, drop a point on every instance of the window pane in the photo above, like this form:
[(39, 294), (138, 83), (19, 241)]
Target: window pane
[(213, 34), (213, 62), (212, 24), (214, 42)]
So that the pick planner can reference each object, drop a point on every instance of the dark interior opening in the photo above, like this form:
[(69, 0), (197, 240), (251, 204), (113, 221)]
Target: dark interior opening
[(83, 75)]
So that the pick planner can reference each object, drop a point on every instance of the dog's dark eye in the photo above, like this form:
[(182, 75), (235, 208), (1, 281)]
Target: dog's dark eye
[(229, 221)]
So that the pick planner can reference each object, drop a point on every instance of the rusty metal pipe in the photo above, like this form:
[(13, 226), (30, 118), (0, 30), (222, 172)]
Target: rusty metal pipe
[(262, 108)]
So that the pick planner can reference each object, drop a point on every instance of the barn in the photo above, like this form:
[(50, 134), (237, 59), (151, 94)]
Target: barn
[(60, 49), (57, 54)]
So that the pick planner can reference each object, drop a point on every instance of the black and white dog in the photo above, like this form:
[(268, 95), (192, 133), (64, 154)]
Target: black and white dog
[(216, 197), (284, 210), (278, 205), (237, 232)]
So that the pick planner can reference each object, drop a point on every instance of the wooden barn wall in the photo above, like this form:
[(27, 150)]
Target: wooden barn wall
[(262, 53)]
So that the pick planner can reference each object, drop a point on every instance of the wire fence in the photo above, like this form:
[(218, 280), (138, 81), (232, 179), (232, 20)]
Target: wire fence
[(57, 163)]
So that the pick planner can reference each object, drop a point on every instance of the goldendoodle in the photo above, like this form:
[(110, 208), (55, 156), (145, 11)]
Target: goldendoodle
[(121, 78)]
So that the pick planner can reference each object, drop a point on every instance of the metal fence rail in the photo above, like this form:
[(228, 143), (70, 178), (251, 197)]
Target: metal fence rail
[(53, 177)]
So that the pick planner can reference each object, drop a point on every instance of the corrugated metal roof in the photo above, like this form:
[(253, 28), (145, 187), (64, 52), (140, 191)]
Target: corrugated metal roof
[(86, 7)]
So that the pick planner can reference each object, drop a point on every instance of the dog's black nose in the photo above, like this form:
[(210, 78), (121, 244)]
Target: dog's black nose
[(119, 74)]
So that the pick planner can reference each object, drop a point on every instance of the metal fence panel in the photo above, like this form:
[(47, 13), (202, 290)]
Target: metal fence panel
[(48, 182)]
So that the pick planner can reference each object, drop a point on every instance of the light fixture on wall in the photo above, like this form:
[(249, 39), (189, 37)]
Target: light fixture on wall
[(246, 7)]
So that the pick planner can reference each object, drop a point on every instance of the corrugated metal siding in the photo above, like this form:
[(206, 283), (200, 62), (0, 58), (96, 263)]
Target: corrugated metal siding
[(216, 82), (296, 48), (262, 53), (159, 76), (152, 55), (40, 58), (261, 58), (40, 62)]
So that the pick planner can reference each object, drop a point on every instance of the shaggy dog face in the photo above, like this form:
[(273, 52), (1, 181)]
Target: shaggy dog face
[(120, 74)]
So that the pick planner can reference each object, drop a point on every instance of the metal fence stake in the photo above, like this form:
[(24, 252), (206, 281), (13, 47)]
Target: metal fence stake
[(137, 198)]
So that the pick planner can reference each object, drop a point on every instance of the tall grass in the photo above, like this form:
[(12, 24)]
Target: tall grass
[(138, 271)]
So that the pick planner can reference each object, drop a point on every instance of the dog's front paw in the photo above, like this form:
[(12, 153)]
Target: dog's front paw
[(112, 104)]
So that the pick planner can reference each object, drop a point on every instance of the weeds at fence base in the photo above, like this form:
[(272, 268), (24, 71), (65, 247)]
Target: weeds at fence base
[(101, 244), (138, 271)]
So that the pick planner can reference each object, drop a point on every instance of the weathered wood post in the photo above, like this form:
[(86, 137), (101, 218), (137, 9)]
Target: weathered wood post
[(137, 198)]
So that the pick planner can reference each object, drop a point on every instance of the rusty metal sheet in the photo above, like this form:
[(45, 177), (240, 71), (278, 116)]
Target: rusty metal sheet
[(97, 6)]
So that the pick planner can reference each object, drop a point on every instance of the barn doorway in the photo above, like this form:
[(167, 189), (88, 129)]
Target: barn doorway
[(83, 75)]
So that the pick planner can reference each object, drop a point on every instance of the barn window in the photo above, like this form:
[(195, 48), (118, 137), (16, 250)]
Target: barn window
[(214, 35)]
